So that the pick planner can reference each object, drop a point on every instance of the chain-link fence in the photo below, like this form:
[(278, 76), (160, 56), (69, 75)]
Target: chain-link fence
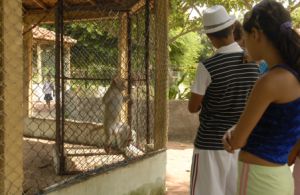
[(88, 87), (11, 96)]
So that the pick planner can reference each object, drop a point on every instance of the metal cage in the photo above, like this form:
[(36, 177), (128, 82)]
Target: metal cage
[(91, 87)]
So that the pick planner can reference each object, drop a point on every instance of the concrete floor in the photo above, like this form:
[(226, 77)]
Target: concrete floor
[(179, 158)]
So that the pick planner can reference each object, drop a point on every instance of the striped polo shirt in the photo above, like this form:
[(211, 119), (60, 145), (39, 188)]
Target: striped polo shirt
[(225, 97)]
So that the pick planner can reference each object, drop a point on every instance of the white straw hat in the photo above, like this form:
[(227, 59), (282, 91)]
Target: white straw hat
[(216, 19)]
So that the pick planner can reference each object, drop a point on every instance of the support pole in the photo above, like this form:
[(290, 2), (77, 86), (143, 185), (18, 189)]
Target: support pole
[(147, 73), (161, 74), (58, 86), (11, 98)]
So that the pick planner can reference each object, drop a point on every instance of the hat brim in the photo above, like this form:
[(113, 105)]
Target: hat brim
[(221, 27)]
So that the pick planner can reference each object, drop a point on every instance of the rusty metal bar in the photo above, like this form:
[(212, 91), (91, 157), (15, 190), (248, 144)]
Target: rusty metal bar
[(138, 6), (147, 63), (98, 79), (41, 4), (62, 63), (129, 69), (86, 78), (97, 7), (58, 64), (93, 2)]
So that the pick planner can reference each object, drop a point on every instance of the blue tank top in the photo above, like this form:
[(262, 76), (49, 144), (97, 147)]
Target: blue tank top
[(277, 131)]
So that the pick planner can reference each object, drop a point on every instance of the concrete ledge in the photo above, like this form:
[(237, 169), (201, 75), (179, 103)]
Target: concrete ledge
[(143, 177), (76, 132)]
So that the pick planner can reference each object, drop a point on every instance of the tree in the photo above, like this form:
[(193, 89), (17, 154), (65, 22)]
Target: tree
[(181, 12), (96, 48), (186, 39), (296, 18), (184, 53)]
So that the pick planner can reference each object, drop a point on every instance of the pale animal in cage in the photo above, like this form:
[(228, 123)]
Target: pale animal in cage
[(122, 140), (118, 135), (113, 101)]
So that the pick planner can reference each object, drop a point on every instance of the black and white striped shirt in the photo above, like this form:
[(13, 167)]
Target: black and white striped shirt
[(225, 97)]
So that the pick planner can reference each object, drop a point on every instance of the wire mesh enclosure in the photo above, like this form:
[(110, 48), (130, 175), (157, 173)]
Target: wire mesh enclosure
[(91, 84)]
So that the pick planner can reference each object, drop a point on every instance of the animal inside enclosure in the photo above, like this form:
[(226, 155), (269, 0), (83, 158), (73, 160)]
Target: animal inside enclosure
[(91, 87)]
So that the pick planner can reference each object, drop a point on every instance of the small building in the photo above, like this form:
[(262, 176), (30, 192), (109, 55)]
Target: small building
[(43, 59), (44, 40)]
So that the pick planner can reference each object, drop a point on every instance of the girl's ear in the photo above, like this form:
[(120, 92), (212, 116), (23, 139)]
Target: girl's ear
[(257, 34)]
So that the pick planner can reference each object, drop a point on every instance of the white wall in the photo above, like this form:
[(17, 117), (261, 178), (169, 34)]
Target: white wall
[(144, 177)]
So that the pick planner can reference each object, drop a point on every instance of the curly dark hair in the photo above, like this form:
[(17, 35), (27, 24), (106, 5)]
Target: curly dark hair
[(238, 31)]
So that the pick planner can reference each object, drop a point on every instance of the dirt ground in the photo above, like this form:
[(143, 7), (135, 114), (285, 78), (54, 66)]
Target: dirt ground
[(179, 158)]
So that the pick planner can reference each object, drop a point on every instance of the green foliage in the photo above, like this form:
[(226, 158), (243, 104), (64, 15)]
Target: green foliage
[(184, 51), (296, 18), (184, 55), (229, 4), (206, 49), (96, 50), (181, 10), (177, 89), (185, 42), (179, 14)]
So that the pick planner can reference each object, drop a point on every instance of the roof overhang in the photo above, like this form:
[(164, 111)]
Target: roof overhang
[(36, 11)]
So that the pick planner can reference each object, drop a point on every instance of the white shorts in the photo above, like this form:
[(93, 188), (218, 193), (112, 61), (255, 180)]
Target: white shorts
[(213, 172)]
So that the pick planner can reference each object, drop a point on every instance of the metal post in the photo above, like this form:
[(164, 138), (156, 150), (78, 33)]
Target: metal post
[(160, 133), (129, 69), (147, 62), (62, 75), (58, 84)]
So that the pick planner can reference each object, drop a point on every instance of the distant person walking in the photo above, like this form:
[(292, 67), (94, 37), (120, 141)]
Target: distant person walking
[(48, 90), (219, 93)]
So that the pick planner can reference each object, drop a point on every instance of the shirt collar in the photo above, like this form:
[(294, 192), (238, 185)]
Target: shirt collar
[(231, 48)]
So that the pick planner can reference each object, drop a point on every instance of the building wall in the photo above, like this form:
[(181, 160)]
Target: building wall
[(144, 177), (182, 124)]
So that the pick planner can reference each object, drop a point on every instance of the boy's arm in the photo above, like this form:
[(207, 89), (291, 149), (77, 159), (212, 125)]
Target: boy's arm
[(195, 102), (202, 81)]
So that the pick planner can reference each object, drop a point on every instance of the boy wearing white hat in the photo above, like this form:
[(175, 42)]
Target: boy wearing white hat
[(222, 85)]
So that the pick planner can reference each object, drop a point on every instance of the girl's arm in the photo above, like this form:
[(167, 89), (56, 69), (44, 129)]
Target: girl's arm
[(52, 87), (260, 98), (44, 87), (294, 153)]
